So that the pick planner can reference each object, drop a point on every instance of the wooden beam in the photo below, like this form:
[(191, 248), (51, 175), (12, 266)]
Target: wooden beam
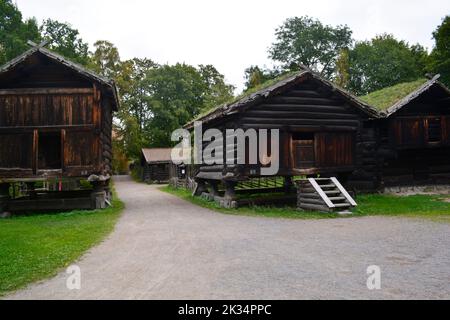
[(37, 91)]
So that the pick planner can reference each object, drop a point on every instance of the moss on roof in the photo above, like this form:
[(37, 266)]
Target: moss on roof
[(248, 93), (385, 98)]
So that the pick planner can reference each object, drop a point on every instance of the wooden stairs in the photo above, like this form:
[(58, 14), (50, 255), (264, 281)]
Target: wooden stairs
[(325, 195)]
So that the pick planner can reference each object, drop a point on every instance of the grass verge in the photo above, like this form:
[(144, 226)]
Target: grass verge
[(35, 247), (421, 206)]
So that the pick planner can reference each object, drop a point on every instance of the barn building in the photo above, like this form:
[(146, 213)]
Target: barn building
[(322, 132), (339, 144), (414, 133), (55, 125), (156, 165)]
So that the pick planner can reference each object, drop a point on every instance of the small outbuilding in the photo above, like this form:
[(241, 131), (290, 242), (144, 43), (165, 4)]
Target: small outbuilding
[(156, 165), (413, 133), (55, 127)]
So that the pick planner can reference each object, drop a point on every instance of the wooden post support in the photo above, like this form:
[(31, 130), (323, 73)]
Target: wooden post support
[(31, 190), (4, 199), (214, 187), (230, 193), (288, 184), (200, 189), (98, 195)]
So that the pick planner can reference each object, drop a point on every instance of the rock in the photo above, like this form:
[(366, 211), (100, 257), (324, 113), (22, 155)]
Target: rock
[(5, 215)]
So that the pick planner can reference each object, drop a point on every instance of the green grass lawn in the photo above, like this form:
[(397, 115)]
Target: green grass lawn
[(423, 206), (37, 246)]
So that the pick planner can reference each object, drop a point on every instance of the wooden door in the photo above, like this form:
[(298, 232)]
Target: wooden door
[(334, 149), (303, 154)]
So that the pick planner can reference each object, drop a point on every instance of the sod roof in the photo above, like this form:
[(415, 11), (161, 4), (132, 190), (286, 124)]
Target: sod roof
[(385, 98)]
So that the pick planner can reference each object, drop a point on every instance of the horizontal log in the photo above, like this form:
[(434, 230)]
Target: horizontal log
[(46, 91), (248, 120), (86, 127), (311, 101), (304, 108), (300, 115)]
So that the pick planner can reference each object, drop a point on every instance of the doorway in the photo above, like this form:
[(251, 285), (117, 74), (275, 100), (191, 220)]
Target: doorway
[(49, 151), (303, 150)]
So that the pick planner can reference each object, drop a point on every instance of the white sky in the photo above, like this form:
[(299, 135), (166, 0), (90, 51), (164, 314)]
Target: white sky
[(230, 34)]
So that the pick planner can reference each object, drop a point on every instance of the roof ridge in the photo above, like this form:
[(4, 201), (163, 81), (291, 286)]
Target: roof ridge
[(411, 96)]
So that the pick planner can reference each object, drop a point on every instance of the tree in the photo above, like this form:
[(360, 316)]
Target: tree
[(106, 59), (343, 69), (306, 41), (14, 32), (384, 61), (65, 40), (177, 94), (256, 76), (217, 92), (440, 56)]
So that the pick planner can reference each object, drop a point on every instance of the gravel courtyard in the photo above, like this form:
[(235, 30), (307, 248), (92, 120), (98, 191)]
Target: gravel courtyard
[(166, 248)]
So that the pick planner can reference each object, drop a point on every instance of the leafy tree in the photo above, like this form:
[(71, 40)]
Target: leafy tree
[(306, 41), (14, 32), (256, 76), (440, 56), (105, 59), (65, 40), (176, 94), (343, 69), (216, 90), (384, 61)]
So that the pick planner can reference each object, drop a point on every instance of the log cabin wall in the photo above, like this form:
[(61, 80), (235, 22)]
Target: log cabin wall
[(415, 142), (54, 122), (320, 133)]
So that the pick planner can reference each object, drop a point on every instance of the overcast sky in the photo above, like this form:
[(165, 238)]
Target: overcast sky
[(230, 34)]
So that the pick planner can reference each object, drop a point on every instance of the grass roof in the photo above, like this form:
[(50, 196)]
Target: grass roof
[(385, 98), (248, 93)]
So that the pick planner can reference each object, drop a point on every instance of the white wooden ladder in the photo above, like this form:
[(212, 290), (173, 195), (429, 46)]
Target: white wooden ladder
[(324, 194)]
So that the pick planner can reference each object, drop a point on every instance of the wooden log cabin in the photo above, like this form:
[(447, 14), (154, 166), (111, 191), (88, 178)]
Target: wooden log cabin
[(322, 132), (413, 140), (156, 164), (326, 132), (55, 124)]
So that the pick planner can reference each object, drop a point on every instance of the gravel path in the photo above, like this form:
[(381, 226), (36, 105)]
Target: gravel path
[(166, 248)]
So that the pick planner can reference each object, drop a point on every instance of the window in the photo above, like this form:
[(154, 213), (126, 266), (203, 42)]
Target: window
[(49, 151), (434, 130)]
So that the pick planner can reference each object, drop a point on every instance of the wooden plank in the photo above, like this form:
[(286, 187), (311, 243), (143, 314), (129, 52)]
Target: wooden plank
[(344, 192), (321, 193), (46, 91)]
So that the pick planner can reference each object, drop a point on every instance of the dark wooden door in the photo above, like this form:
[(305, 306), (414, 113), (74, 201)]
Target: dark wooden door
[(304, 156), (334, 149)]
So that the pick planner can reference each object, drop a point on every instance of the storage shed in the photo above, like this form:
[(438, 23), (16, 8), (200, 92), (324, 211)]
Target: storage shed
[(414, 133), (322, 132), (55, 125), (156, 164)]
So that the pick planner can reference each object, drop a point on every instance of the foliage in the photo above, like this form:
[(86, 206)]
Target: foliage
[(383, 62), (440, 56), (105, 60), (342, 77), (255, 76), (14, 32), (387, 97), (120, 161), (216, 90), (36, 247), (306, 41), (65, 40)]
